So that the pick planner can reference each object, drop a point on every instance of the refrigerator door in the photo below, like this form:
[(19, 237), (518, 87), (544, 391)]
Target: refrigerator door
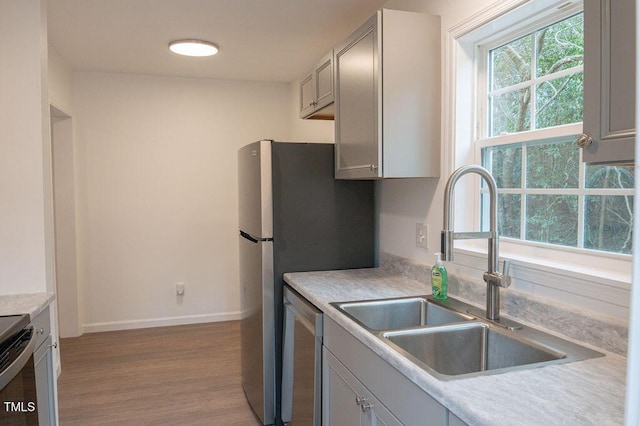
[(256, 279), (255, 203), (256, 327)]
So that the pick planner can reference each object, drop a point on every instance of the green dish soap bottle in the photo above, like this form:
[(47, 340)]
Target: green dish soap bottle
[(439, 279)]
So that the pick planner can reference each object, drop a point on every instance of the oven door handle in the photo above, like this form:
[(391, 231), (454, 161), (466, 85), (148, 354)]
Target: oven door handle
[(16, 366)]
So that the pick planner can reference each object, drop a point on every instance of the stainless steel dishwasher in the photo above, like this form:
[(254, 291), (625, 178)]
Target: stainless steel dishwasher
[(301, 361)]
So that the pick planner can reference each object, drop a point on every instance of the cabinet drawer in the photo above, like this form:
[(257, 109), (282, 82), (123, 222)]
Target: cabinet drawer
[(42, 326)]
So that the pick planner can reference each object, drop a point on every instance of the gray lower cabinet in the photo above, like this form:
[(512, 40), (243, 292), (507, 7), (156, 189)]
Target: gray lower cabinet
[(360, 388), (43, 365), (609, 81), (387, 98), (43, 360)]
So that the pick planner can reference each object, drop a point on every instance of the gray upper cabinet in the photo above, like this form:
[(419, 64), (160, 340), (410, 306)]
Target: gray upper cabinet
[(609, 82), (316, 91), (387, 91)]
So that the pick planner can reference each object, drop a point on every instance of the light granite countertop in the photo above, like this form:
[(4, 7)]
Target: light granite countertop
[(590, 392), (31, 304)]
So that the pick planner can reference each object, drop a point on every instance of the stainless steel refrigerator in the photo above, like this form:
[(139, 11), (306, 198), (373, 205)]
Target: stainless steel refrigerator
[(293, 216)]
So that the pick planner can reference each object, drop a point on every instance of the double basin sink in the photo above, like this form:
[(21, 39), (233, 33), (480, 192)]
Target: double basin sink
[(450, 340)]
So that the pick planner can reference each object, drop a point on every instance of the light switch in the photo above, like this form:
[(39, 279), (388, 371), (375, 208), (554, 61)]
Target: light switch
[(180, 289), (422, 235)]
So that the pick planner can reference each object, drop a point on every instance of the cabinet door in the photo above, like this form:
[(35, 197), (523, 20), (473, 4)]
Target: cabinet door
[(609, 80), (346, 401), (377, 414), (358, 129), (340, 391), (316, 91), (307, 95), (43, 365), (324, 82)]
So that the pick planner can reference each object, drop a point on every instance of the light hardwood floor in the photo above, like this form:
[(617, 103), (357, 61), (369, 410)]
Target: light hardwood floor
[(182, 375)]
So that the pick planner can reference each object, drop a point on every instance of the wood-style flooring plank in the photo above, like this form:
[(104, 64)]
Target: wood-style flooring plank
[(182, 375)]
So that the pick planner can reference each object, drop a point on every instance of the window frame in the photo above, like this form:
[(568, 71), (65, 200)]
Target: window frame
[(482, 138), (595, 281)]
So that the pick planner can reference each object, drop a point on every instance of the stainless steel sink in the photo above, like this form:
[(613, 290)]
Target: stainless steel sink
[(405, 312), (469, 348), (450, 340)]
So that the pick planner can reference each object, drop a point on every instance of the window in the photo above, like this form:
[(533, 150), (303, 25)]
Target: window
[(530, 113)]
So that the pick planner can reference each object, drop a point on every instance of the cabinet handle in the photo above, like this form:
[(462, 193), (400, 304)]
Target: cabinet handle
[(373, 167), (362, 402), (40, 331), (312, 103), (584, 140), (54, 346)]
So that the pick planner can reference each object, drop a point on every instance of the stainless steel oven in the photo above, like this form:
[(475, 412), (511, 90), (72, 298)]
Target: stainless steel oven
[(17, 374), (301, 362)]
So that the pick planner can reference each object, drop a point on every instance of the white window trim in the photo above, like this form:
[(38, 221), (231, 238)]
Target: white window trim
[(549, 134), (564, 274)]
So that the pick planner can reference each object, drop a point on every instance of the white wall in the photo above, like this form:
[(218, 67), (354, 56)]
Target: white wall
[(60, 82), (405, 202), (157, 192), (25, 255), (147, 217)]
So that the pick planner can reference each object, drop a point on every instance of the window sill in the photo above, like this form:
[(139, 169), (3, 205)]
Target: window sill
[(597, 289)]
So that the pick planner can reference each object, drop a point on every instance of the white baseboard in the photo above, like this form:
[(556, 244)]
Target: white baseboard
[(160, 322)]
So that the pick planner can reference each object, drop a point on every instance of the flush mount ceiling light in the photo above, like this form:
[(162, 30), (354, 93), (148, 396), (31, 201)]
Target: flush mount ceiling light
[(193, 47)]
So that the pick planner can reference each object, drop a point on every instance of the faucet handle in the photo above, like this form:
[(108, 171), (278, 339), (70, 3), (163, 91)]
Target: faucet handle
[(499, 279), (505, 280), (506, 265)]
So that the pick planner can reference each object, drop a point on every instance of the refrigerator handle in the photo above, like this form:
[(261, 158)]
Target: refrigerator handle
[(252, 238)]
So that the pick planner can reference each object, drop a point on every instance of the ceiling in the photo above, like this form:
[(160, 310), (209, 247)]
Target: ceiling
[(260, 40)]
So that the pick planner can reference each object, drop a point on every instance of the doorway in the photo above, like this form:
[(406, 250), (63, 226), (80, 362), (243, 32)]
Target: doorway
[(65, 235)]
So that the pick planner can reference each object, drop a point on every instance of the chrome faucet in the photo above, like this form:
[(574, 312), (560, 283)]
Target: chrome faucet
[(492, 277)]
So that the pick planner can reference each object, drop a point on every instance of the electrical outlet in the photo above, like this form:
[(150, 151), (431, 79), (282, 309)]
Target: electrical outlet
[(422, 235), (180, 289)]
